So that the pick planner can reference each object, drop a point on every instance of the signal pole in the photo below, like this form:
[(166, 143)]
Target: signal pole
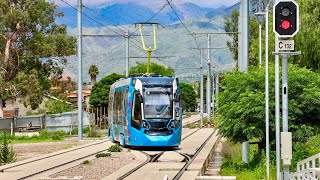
[(80, 115), (285, 25)]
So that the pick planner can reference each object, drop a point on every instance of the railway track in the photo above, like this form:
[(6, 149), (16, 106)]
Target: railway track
[(187, 158), (18, 170)]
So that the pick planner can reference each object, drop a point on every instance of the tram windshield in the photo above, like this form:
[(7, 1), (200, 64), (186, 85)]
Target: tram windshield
[(157, 102)]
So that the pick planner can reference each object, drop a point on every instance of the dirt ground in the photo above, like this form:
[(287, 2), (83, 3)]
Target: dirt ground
[(31, 150)]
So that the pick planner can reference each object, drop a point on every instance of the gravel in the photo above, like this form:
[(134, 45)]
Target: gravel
[(99, 167), (31, 150)]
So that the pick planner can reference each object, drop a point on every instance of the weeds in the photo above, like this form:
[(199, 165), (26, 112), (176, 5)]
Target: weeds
[(7, 154), (86, 162), (94, 133), (115, 148), (99, 155)]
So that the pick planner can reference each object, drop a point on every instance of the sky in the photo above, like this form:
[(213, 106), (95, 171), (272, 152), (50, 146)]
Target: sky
[(102, 3)]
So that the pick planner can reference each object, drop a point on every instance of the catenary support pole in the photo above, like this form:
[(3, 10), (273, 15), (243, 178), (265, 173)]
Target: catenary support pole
[(213, 98), (260, 44), (244, 60), (201, 87), (208, 80), (217, 91), (267, 93), (80, 115), (127, 53)]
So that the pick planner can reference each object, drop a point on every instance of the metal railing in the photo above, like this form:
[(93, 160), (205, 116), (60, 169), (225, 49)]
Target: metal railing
[(307, 169)]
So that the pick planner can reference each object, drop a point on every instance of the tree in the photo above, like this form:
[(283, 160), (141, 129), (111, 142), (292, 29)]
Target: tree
[(189, 98), (56, 107), (100, 91), (93, 72), (31, 46), (231, 25), (141, 68), (307, 40), (242, 104)]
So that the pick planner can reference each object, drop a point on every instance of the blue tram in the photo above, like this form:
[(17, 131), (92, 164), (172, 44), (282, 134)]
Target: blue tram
[(145, 111)]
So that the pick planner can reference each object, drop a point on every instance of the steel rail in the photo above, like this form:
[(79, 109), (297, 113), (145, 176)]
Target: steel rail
[(71, 150)]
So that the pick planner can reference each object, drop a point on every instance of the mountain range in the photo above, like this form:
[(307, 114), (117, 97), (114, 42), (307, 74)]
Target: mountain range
[(173, 43)]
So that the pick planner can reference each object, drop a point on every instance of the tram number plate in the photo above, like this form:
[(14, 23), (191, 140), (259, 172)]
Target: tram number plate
[(285, 45)]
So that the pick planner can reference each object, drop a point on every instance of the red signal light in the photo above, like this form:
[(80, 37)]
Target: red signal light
[(285, 24)]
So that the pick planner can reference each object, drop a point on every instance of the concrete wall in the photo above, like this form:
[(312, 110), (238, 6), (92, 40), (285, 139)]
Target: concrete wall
[(52, 122)]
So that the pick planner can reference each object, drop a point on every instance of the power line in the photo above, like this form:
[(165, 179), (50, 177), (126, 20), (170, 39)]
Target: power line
[(105, 18), (169, 3), (103, 25), (65, 1), (164, 6), (223, 12)]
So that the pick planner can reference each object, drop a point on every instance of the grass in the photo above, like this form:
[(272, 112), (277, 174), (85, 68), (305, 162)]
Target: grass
[(44, 136), (115, 148), (99, 155), (233, 166)]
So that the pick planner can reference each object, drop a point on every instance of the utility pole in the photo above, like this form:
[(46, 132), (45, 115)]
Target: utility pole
[(208, 80), (208, 100), (244, 11), (127, 38), (127, 53), (244, 59), (217, 90), (213, 101), (201, 87), (267, 91), (80, 115)]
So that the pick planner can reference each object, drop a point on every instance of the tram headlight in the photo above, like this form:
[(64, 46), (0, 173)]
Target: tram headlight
[(144, 124), (171, 124)]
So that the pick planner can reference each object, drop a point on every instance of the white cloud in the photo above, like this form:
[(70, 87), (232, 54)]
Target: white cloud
[(99, 3)]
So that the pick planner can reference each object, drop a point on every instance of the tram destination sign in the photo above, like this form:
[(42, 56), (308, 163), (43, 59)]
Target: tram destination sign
[(285, 45)]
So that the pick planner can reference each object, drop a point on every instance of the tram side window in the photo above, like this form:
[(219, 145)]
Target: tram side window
[(124, 106), (137, 115), (117, 107)]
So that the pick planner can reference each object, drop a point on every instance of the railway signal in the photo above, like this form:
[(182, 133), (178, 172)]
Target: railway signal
[(286, 18)]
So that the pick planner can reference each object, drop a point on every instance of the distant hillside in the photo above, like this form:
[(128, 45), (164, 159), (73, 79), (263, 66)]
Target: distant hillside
[(130, 13), (109, 53)]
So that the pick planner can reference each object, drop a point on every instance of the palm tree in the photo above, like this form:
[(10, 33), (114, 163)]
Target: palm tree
[(93, 72)]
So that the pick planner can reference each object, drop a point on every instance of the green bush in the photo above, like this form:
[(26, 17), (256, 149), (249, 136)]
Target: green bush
[(84, 131), (94, 133), (60, 133), (99, 155), (115, 148), (7, 154)]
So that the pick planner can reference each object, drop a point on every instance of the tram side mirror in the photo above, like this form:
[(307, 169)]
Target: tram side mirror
[(177, 98)]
